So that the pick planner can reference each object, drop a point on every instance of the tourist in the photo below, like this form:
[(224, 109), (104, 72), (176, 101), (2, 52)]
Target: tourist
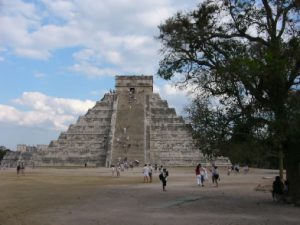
[(229, 168), (236, 168), (205, 174), (246, 169), (160, 168), (198, 175), (113, 169), (286, 188), (202, 174), (126, 165), (122, 167), (131, 165), (155, 168), (277, 191), (118, 169), (22, 167), (163, 177), (146, 173), (18, 167), (215, 175), (150, 173)]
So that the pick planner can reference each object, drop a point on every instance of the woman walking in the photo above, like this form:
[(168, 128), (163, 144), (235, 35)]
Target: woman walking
[(215, 175)]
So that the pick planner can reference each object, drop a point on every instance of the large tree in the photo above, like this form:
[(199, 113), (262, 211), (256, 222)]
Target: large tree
[(244, 58)]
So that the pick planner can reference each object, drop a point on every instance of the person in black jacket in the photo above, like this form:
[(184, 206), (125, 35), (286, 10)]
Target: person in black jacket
[(277, 191), (163, 177)]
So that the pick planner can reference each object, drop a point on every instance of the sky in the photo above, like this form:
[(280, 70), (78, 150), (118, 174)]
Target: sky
[(58, 57)]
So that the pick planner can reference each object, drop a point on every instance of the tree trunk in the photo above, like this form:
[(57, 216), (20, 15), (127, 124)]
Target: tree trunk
[(280, 157), (293, 175)]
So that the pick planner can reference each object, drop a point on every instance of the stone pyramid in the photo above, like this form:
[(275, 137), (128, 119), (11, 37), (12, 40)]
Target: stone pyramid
[(130, 123)]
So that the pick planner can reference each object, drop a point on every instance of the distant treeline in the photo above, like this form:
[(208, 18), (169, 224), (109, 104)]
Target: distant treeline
[(3, 151)]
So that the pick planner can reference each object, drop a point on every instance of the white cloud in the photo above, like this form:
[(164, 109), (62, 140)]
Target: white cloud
[(41, 102), (172, 90), (114, 57), (32, 53), (2, 50), (92, 70), (177, 98), (154, 17), (116, 35), (84, 55), (18, 8), (9, 114), (44, 110), (61, 8), (39, 75), (156, 89)]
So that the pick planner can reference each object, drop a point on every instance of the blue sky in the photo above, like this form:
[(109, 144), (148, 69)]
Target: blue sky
[(57, 57)]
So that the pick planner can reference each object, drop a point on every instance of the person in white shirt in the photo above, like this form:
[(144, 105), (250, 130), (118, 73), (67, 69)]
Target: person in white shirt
[(146, 173)]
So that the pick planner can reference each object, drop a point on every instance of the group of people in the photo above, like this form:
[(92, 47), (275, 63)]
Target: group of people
[(202, 175), (236, 169), (279, 189), (121, 166), (148, 173)]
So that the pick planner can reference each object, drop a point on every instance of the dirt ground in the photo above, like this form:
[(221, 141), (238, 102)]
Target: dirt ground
[(92, 196)]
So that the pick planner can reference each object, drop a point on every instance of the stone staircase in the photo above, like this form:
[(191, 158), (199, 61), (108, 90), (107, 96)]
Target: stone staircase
[(128, 140)]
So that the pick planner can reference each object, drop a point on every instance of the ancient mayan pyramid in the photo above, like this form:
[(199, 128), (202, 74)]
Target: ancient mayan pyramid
[(130, 123)]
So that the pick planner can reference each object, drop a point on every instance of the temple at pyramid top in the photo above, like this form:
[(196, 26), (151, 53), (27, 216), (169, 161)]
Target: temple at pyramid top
[(130, 123), (145, 82)]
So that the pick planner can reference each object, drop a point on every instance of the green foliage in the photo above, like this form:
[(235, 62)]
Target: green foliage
[(218, 133), (3, 151)]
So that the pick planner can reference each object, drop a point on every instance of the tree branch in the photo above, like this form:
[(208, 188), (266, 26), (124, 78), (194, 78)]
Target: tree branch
[(241, 33), (270, 21), (284, 19)]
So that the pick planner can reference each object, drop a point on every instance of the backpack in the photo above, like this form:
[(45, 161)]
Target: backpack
[(161, 176)]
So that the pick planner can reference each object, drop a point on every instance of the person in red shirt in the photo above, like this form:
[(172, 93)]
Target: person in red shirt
[(198, 174)]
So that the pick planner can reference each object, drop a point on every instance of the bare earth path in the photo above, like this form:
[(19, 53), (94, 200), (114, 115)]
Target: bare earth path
[(92, 196)]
